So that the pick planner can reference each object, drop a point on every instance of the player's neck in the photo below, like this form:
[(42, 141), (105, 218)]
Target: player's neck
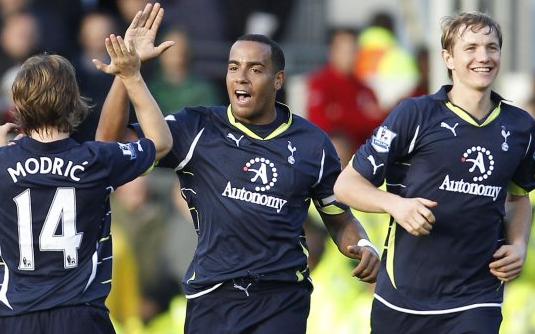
[(48, 135), (476, 103)]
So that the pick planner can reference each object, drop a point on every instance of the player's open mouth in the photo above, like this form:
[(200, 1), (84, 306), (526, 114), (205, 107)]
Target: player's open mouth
[(482, 69), (242, 96)]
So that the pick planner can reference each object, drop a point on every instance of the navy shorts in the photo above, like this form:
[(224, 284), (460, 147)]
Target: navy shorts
[(481, 320), (79, 319), (246, 307)]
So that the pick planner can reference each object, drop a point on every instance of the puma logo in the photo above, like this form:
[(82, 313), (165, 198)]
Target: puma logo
[(239, 287), (292, 149), (371, 159), (236, 140), (452, 129)]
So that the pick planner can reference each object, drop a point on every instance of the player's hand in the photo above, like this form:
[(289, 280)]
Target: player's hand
[(142, 32), (5, 131), (368, 266), (414, 215), (508, 262), (125, 61)]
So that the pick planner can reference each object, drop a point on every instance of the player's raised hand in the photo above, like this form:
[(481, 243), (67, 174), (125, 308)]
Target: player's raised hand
[(368, 266), (5, 130), (142, 32), (508, 262), (125, 61), (414, 215)]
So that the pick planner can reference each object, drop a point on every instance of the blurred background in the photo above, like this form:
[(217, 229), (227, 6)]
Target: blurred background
[(348, 64)]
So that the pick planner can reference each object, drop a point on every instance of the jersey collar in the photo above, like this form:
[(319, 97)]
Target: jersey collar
[(442, 95), (283, 127)]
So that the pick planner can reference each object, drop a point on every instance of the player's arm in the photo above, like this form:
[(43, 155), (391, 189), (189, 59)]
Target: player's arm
[(125, 64), (142, 32), (413, 214), (352, 241), (509, 259)]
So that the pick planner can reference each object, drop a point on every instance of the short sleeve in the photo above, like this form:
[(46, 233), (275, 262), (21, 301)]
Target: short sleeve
[(394, 139), (127, 161), (186, 129), (322, 191), (524, 177)]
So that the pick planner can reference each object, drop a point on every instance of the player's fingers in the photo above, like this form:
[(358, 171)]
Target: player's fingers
[(116, 46), (122, 45), (360, 270), (354, 251), (131, 48), (110, 48), (427, 203), (145, 15), (135, 21), (158, 20), (427, 214), (152, 15)]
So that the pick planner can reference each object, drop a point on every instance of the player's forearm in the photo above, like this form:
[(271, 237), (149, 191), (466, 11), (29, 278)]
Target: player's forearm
[(114, 114), (353, 189), (149, 114), (518, 220), (345, 230)]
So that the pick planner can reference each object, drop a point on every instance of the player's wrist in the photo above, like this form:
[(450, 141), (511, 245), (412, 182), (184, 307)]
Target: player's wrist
[(368, 243)]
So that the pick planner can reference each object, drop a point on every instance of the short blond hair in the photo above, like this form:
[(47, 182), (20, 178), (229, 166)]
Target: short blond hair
[(454, 26)]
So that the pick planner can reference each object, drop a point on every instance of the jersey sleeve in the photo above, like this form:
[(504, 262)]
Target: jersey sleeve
[(322, 191), (393, 140), (524, 178), (186, 129), (127, 161)]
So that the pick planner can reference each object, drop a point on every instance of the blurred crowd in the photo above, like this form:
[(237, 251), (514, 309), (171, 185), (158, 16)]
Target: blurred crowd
[(361, 73)]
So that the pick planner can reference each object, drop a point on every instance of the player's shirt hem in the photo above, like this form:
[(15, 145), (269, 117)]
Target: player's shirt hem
[(204, 292), (434, 312)]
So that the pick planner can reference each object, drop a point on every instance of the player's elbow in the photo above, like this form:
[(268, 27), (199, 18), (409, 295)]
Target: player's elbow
[(163, 146), (341, 189)]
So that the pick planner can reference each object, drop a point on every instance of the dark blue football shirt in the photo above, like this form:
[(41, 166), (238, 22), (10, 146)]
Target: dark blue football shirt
[(429, 148), (249, 194), (55, 218)]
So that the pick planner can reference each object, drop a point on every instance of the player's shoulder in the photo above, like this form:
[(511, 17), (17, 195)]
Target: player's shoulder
[(517, 115), (302, 125)]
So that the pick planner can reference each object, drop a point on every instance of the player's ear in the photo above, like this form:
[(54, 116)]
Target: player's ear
[(279, 79), (448, 59)]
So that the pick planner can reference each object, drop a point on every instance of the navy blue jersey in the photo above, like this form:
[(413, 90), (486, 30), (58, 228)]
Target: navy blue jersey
[(248, 195), (429, 148), (55, 237)]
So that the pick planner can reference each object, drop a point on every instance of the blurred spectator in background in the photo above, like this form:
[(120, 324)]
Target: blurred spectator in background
[(266, 17), (19, 40), (142, 211), (338, 102), (383, 64), (173, 86), (422, 61), (94, 28)]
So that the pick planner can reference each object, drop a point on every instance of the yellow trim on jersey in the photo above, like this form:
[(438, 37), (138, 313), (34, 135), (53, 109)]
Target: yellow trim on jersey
[(516, 190), (283, 127), (465, 116), (305, 250), (330, 210), (300, 276), (390, 253), (150, 168)]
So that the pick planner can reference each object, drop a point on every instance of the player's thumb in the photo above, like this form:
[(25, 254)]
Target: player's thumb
[(99, 65), (164, 46), (428, 203), (501, 252), (355, 252)]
